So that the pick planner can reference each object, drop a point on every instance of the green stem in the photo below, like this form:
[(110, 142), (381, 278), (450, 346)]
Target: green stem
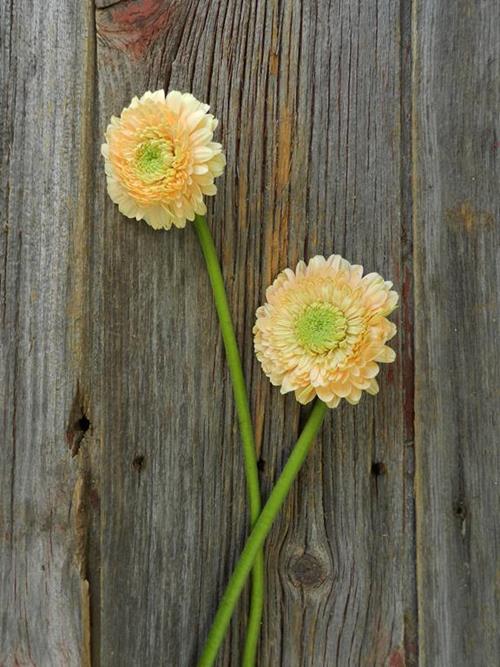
[(246, 429), (259, 533)]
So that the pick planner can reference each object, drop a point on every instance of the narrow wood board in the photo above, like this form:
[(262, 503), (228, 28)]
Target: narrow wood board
[(457, 239), (46, 68)]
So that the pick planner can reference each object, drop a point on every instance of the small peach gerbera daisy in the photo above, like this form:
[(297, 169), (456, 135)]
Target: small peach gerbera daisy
[(160, 159), (323, 330)]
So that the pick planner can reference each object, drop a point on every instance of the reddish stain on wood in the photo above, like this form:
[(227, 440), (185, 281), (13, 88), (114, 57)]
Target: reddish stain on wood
[(397, 659), (133, 26), (284, 150), (94, 498)]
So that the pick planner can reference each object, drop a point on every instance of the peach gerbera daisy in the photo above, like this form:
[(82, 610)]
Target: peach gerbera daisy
[(160, 158), (324, 329)]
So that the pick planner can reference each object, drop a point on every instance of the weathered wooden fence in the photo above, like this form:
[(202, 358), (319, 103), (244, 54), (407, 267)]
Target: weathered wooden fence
[(365, 128)]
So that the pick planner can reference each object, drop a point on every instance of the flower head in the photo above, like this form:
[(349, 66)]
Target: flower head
[(160, 158), (323, 330)]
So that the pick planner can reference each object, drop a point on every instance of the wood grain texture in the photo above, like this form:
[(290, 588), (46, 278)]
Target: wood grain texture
[(47, 59), (457, 214), (352, 127), (309, 100)]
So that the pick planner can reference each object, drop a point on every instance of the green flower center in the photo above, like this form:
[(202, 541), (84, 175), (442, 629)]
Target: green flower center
[(153, 159), (320, 327)]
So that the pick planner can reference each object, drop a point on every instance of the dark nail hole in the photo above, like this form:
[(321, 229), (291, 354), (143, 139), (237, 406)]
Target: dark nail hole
[(378, 468), (83, 424), (261, 464), (78, 423), (138, 463), (460, 509)]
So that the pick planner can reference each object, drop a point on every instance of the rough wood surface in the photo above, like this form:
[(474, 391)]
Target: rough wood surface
[(123, 502), (47, 59), (457, 242)]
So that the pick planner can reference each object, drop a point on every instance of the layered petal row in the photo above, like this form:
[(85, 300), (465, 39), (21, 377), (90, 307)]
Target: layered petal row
[(323, 330), (161, 160)]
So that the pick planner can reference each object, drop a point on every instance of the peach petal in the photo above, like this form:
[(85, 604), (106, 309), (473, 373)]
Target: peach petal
[(347, 366), (180, 167)]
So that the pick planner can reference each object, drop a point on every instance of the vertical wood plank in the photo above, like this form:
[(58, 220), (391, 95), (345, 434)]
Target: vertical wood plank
[(309, 98), (456, 103), (339, 593), (46, 78)]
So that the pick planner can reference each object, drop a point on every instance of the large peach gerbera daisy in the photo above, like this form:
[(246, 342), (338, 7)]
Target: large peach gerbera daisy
[(160, 159), (324, 329)]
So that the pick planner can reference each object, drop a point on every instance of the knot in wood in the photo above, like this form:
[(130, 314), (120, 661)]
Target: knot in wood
[(308, 571)]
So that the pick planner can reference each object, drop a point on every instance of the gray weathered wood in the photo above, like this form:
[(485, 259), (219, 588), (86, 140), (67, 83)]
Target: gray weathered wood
[(47, 63), (346, 126), (457, 213), (309, 103)]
